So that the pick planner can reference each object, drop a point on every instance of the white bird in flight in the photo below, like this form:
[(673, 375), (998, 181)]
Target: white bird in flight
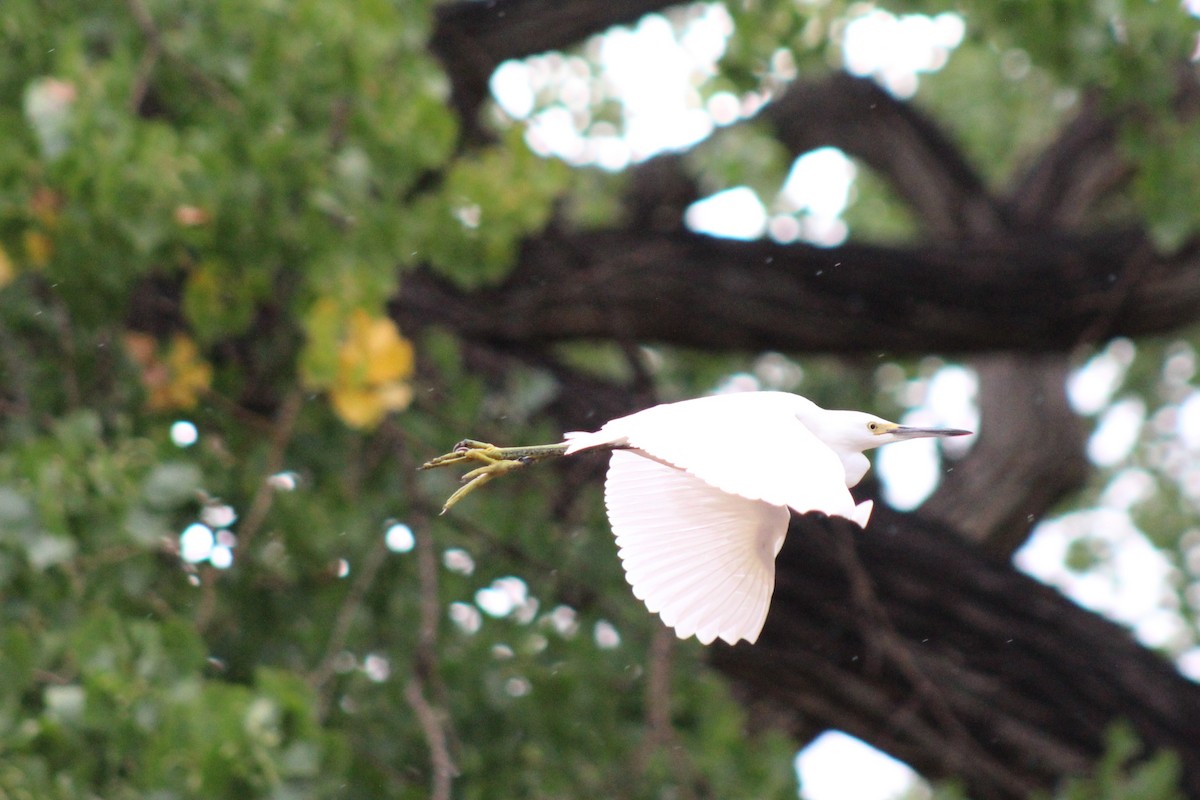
[(699, 494)]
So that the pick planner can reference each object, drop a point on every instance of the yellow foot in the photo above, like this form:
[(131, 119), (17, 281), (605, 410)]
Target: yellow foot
[(466, 451), (496, 461)]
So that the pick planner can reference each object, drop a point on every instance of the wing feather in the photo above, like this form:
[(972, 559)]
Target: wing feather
[(702, 558), (736, 587)]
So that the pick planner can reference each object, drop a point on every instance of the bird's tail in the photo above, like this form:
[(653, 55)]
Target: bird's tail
[(583, 440), (862, 513)]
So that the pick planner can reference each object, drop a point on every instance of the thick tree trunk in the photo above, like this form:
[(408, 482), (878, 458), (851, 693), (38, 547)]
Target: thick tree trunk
[(952, 662)]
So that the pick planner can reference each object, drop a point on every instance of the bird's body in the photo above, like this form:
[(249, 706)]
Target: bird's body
[(699, 494)]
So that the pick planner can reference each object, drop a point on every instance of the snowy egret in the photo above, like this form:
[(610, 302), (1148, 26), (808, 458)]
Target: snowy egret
[(698, 494)]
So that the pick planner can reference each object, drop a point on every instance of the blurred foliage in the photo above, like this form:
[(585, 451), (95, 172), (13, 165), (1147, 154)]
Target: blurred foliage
[(204, 208), (1034, 104), (1125, 774), (742, 155)]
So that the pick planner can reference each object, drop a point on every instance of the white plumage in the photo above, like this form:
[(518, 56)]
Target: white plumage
[(704, 560), (698, 494)]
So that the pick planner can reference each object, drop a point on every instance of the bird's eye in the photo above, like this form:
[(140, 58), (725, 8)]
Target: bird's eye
[(873, 427)]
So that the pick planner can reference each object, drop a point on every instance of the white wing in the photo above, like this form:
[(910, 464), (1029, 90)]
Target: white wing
[(750, 444), (703, 559)]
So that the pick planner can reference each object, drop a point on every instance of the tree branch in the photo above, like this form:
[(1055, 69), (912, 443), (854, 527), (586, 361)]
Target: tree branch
[(1035, 679), (473, 38), (895, 139), (1028, 456), (434, 721), (1072, 173), (1031, 294)]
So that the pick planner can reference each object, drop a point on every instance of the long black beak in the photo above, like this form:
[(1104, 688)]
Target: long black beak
[(905, 432)]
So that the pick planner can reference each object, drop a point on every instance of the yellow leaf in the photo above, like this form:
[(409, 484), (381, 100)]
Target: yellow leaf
[(395, 396), (190, 374), (38, 248), (374, 351), (373, 362), (173, 382), (358, 408), (390, 354), (8, 272)]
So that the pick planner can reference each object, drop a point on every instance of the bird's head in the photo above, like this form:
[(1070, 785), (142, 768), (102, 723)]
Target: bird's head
[(874, 432), (855, 431)]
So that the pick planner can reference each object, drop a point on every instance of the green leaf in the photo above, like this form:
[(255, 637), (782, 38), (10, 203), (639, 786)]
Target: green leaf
[(171, 484)]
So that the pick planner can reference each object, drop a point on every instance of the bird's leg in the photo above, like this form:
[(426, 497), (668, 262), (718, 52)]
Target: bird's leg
[(495, 461)]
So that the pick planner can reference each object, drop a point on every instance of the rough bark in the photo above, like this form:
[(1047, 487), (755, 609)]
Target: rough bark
[(957, 664), (896, 140), (1022, 293), (1027, 456)]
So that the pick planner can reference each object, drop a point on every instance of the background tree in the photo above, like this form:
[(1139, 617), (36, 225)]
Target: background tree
[(260, 260)]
